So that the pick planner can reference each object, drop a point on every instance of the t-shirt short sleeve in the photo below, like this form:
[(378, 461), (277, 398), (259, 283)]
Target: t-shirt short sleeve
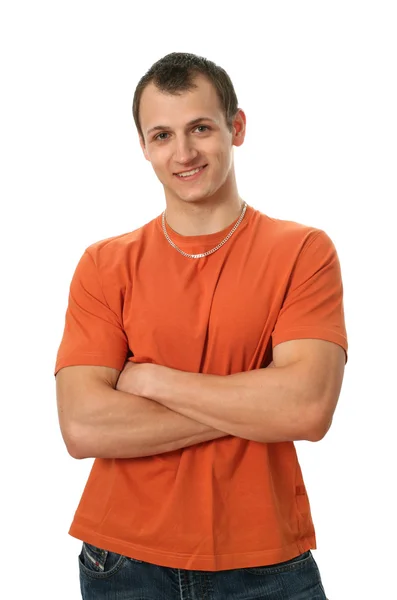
[(93, 333), (313, 303)]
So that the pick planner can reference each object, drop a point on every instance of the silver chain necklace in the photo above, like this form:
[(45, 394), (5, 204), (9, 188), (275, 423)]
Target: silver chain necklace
[(209, 251)]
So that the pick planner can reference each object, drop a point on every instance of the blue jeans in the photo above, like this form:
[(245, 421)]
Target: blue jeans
[(106, 575)]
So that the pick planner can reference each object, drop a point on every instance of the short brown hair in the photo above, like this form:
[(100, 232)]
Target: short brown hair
[(175, 73)]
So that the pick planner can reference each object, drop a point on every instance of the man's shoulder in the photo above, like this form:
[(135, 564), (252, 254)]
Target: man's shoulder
[(118, 247), (283, 231)]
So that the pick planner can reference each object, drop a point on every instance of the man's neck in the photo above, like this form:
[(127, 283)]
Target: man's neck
[(206, 215), (202, 217)]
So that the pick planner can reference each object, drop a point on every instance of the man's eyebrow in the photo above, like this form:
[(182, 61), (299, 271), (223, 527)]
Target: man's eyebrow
[(189, 124)]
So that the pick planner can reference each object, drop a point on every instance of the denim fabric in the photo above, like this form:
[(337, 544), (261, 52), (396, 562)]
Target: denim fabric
[(106, 575)]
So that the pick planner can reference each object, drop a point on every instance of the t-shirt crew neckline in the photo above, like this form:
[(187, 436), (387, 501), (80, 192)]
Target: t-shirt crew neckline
[(210, 239)]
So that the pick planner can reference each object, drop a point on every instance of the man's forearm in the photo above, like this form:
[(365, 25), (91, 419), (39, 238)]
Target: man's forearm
[(264, 405), (128, 426)]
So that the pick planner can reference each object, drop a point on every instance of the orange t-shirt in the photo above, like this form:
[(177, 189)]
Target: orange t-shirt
[(227, 503)]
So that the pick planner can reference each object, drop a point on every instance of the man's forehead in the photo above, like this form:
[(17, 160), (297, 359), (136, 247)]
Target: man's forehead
[(182, 108)]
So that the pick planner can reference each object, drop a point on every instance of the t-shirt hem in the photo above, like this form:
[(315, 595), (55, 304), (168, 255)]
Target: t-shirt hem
[(220, 562), (91, 359), (325, 334)]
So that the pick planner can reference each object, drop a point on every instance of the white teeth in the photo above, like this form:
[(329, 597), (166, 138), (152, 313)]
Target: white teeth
[(189, 173)]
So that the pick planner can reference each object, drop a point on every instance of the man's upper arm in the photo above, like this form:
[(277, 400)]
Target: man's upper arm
[(321, 366), (93, 349), (310, 329), (78, 388)]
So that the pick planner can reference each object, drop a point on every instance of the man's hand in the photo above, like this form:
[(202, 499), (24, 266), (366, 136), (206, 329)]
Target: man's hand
[(134, 378), (141, 378)]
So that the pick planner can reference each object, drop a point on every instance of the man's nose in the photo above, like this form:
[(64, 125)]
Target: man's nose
[(185, 151)]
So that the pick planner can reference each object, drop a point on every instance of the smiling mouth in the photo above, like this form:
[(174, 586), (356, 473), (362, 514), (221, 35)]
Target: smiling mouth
[(190, 173)]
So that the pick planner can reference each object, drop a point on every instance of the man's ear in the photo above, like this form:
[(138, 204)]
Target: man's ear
[(239, 125), (143, 146)]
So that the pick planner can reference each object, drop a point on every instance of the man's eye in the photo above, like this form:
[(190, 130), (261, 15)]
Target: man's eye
[(158, 137), (202, 127)]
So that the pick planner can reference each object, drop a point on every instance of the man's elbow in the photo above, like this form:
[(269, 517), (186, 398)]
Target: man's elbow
[(76, 452), (74, 443), (319, 429)]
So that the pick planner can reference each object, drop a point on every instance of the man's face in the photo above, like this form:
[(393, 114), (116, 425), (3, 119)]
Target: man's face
[(186, 132)]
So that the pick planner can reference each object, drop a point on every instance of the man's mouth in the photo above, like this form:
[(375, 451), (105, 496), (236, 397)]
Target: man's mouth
[(191, 173)]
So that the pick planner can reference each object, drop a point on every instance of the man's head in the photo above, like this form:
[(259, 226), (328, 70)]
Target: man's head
[(186, 113)]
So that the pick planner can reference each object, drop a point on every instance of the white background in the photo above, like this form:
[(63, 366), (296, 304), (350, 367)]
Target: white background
[(317, 81)]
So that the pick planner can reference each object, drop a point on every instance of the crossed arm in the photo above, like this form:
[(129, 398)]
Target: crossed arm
[(294, 400), (150, 409)]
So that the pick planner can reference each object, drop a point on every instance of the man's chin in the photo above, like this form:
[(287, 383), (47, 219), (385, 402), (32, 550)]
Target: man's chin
[(190, 196), (194, 196)]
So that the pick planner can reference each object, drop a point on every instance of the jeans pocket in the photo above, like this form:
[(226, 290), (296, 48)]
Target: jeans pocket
[(290, 565), (98, 563)]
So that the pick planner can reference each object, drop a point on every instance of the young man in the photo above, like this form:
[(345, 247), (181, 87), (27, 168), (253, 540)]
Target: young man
[(196, 350)]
